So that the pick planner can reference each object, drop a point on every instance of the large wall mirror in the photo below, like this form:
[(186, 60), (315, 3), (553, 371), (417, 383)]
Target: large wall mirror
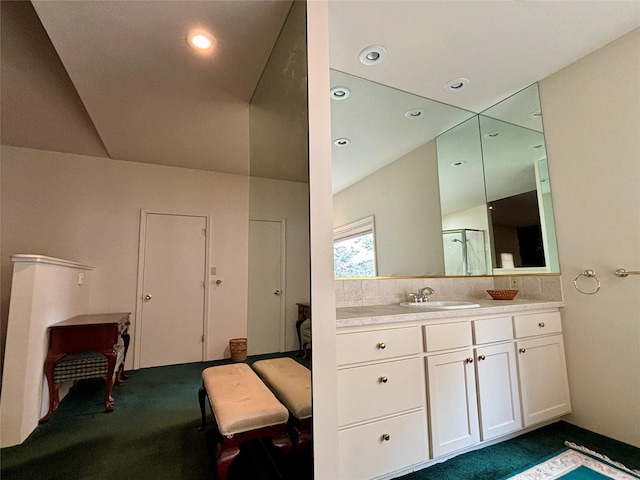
[(448, 192)]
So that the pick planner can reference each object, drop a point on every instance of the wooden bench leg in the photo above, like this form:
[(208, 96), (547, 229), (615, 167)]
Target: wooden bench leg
[(283, 442), (300, 431), (227, 451), (229, 446), (202, 393)]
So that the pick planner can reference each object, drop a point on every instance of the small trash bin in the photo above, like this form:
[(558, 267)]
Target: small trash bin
[(238, 349)]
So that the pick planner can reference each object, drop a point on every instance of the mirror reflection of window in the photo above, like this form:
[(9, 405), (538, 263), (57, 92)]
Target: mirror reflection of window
[(354, 252)]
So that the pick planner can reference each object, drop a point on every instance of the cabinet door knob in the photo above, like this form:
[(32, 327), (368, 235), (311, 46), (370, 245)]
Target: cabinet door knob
[(386, 437), (382, 346), (481, 357), (469, 360), (522, 350), (384, 379), (541, 324)]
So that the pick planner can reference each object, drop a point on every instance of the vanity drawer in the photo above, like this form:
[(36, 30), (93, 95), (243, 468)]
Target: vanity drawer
[(446, 336), (492, 330), (378, 448), (537, 324), (379, 389), (376, 345)]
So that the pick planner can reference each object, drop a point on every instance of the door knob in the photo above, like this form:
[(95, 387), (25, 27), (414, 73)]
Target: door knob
[(148, 297), (277, 292)]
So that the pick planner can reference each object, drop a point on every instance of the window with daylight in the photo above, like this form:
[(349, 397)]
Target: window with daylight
[(354, 251)]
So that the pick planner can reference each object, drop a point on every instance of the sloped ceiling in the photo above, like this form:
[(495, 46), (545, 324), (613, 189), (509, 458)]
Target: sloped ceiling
[(117, 79), (150, 97)]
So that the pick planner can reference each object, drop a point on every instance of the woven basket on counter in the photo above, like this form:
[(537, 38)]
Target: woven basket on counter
[(502, 294)]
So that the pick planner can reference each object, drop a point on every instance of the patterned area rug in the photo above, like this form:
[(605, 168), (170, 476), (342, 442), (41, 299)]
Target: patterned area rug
[(577, 463)]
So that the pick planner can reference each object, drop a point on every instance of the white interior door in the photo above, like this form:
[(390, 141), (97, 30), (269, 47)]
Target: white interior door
[(265, 326), (173, 289)]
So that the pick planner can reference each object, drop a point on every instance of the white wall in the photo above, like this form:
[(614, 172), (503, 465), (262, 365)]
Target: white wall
[(289, 201), (404, 199), (323, 306), (88, 209), (592, 129), (45, 291)]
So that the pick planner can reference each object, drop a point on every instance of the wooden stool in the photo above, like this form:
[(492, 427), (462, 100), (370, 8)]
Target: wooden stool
[(244, 409)]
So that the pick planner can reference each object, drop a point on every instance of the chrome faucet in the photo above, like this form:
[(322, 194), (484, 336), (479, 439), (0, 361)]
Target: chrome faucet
[(422, 295)]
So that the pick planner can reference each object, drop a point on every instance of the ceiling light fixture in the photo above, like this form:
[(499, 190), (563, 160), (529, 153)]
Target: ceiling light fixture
[(456, 85), (339, 93), (372, 55), (201, 40), (416, 113), (341, 142), (494, 134)]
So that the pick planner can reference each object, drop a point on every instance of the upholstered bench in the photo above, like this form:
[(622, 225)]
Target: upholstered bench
[(291, 382), (244, 409)]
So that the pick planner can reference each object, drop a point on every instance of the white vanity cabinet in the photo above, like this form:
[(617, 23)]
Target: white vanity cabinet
[(497, 377), (451, 387), (446, 383), (381, 403), (542, 369)]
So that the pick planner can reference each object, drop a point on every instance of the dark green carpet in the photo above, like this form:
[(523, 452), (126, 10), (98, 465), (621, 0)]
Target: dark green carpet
[(497, 461), (151, 434)]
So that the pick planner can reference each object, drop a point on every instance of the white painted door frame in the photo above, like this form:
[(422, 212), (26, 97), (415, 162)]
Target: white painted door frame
[(140, 284), (283, 276)]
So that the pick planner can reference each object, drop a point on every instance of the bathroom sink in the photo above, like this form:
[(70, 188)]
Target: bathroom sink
[(445, 305)]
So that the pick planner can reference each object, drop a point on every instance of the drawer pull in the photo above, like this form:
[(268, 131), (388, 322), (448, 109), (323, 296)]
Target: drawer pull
[(481, 357), (383, 379), (382, 346), (522, 350), (541, 324), (469, 360), (386, 437)]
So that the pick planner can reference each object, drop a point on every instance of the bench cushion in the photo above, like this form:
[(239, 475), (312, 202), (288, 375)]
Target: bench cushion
[(291, 383), (79, 366), (240, 401)]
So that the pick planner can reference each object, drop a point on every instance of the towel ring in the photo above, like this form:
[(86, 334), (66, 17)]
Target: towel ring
[(588, 274)]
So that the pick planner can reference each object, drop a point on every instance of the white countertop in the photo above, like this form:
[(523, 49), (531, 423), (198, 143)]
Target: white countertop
[(381, 314)]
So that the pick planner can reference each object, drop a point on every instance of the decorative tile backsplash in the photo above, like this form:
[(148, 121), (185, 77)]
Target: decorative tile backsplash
[(388, 291)]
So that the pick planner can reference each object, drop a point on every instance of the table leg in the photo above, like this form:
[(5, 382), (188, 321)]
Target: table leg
[(54, 400), (109, 379)]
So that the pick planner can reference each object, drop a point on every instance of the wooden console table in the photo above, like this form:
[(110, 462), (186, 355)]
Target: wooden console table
[(86, 333)]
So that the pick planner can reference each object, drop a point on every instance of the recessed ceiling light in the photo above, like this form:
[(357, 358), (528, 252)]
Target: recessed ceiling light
[(459, 163), (372, 55), (201, 40), (456, 85), (416, 113), (339, 93), (494, 134), (341, 142)]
